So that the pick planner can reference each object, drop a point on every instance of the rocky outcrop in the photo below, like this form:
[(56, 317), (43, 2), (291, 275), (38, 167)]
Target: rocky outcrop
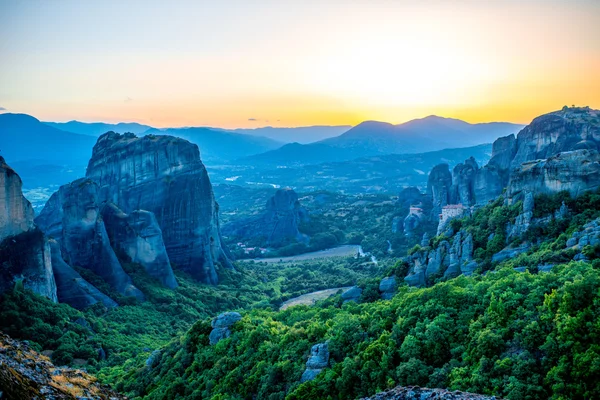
[(588, 236), (319, 359), (574, 171), (523, 220), (16, 213), (24, 251), (387, 287), (71, 288), (409, 196), (568, 130), (26, 374), (463, 183), (164, 175), (221, 326), (439, 188), (278, 225), (26, 257), (509, 252), (450, 258), (138, 236), (72, 217), (419, 393), (352, 294)]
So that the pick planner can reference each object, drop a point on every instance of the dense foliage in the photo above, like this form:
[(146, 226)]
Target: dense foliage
[(127, 334), (517, 335)]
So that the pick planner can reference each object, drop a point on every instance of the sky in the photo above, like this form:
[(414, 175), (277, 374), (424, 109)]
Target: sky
[(254, 63)]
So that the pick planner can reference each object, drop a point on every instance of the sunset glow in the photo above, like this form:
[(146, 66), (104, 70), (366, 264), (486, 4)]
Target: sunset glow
[(292, 63)]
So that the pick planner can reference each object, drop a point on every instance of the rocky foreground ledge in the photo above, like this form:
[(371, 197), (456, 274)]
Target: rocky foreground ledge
[(26, 374), (419, 393)]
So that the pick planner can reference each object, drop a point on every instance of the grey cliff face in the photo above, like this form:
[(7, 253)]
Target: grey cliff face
[(24, 251), (164, 175), (565, 131), (388, 287), (278, 224), (139, 237), (439, 188), (71, 287), (72, 217), (574, 171), (16, 213), (463, 187)]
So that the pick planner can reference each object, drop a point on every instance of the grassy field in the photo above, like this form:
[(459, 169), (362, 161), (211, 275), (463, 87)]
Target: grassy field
[(310, 298), (340, 251)]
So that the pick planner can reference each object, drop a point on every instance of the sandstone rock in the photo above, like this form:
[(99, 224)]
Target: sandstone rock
[(409, 196), (24, 251), (164, 175), (221, 325), (139, 237), (387, 287), (439, 188), (71, 288), (425, 240), (16, 213), (416, 279), (72, 216), (352, 294), (319, 359)]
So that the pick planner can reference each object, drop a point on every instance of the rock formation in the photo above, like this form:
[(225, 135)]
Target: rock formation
[(574, 171), (319, 359), (72, 217), (562, 131), (24, 251), (71, 288), (463, 183), (387, 287), (138, 236), (221, 326), (16, 213), (164, 175), (277, 225), (25, 374), (352, 294), (439, 188)]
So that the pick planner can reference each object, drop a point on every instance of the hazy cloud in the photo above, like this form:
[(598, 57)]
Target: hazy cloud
[(128, 99), (2, 109), (251, 119)]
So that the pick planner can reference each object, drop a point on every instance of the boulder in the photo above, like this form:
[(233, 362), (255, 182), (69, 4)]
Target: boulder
[(387, 287), (319, 359), (352, 294), (221, 325)]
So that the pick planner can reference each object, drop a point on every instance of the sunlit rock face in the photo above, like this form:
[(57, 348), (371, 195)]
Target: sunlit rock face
[(24, 251), (164, 175), (72, 217)]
